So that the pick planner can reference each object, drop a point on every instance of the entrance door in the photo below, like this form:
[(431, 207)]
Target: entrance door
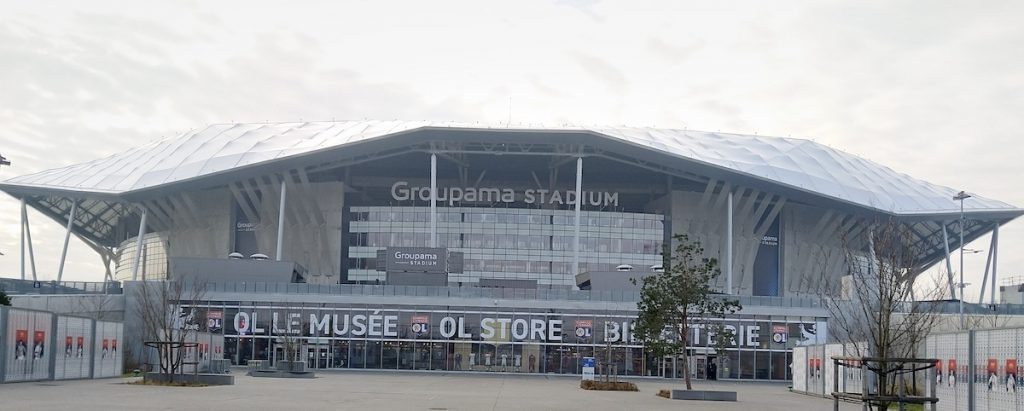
[(672, 366), (318, 356), (698, 367)]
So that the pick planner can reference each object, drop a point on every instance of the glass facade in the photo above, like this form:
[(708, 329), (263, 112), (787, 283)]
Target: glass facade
[(154, 259), (491, 339), (507, 243)]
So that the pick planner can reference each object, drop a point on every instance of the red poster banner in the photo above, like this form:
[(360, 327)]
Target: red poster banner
[(39, 344), (20, 344)]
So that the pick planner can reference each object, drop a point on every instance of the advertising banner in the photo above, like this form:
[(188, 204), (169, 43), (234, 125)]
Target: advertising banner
[(584, 331), (27, 355), (766, 264), (73, 359), (245, 228), (108, 361), (421, 325), (588, 368)]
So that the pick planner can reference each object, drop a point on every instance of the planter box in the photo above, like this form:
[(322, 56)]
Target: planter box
[(208, 379), (291, 366), (698, 395)]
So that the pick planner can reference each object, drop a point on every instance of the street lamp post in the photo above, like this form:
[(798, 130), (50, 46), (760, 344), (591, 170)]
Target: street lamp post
[(961, 196)]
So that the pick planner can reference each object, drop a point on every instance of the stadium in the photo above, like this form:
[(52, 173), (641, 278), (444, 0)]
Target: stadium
[(461, 247)]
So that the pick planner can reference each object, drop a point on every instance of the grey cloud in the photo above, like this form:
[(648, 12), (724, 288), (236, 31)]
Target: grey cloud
[(609, 76)]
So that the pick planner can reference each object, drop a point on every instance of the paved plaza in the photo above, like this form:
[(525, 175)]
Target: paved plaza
[(366, 390)]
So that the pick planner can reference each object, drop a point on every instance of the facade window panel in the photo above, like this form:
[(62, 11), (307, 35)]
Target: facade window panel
[(762, 365)]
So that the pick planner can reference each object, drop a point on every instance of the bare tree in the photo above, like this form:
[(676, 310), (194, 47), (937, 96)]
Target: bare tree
[(96, 306), (166, 310), (876, 315)]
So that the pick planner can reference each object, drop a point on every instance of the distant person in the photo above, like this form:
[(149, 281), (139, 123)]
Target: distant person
[(992, 381)]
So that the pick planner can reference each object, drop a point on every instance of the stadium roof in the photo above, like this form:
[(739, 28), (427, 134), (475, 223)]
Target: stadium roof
[(797, 164)]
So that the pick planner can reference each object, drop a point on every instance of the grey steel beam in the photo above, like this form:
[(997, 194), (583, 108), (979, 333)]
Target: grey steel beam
[(280, 219), (138, 245), (949, 264), (576, 227), (728, 245), (67, 239)]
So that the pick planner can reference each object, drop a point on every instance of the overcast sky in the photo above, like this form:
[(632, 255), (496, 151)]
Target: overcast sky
[(932, 89)]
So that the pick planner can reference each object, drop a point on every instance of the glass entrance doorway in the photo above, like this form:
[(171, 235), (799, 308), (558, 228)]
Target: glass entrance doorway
[(318, 356), (701, 367)]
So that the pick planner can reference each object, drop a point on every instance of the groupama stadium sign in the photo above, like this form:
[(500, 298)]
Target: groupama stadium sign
[(403, 191)]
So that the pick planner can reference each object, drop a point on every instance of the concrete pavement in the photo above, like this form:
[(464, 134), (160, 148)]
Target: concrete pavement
[(365, 390)]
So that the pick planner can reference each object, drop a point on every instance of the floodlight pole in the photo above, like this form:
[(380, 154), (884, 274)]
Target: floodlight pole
[(961, 196)]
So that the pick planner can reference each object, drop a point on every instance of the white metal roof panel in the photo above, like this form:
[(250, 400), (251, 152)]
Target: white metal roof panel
[(797, 163)]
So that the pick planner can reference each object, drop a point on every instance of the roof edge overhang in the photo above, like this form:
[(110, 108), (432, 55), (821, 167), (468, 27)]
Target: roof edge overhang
[(367, 148)]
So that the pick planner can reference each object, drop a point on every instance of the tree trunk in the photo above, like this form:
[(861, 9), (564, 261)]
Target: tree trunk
[(686, 358)]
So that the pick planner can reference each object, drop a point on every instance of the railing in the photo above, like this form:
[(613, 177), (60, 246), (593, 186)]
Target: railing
[(544, 294), (13, 286)]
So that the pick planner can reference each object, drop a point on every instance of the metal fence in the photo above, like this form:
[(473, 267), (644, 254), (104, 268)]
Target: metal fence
[(14, 286), (543, 294)]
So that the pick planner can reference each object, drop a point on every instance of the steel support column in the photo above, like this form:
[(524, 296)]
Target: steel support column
[(433, 200), (728, 245), (28, 239), (988, 265), (138, 246), (961, 284), (67, 239), (576, 228), (949, 264), (23, 239), (995, 263), (280, 219)]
